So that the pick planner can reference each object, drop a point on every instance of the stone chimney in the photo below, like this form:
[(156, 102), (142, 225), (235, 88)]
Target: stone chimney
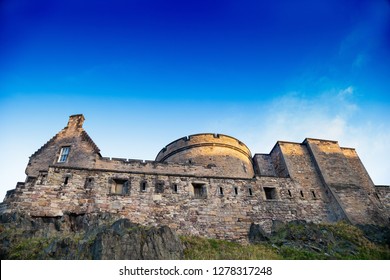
[(76, 121)]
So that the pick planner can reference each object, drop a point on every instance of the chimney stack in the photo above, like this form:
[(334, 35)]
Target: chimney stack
[(76, 121)]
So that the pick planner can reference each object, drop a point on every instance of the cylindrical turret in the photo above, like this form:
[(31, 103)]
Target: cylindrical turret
[(209, 149)]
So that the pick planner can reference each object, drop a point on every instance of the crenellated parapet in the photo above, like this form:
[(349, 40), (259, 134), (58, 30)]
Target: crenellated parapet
[(209, 149)]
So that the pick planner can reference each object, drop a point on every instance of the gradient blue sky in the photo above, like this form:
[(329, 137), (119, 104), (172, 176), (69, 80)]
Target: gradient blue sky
[(147, 72)]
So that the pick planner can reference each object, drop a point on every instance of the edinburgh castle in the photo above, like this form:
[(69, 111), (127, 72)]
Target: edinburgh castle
[(205, 184)]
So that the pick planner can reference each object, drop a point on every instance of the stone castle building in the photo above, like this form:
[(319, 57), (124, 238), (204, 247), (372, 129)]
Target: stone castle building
[(203, 184)]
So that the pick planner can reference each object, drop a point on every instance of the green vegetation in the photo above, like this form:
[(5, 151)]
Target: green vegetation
[(198, 248), (28, 249), (294, 241)]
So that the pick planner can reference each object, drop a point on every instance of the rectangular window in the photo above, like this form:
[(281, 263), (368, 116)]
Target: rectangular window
[(88, 183), (174, 188), (64, 154), (199, 190), (159, 188), (270, 193), (120, 186), (42, 178), (143, 186)]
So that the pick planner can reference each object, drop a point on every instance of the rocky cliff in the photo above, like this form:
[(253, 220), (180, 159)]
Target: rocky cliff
[(108, 237), (94, 236)]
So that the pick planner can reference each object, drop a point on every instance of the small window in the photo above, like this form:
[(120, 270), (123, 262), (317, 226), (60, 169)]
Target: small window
[(174, 188), (199, 190), (220, 191), (270, 193), (31, 180), (289, 193), (301, 192), (66, 180), (88, 182), (235, 191), (120, 186), (42, 178), (314, 194), (159, 188), (250, 192), (143, 186), (64, 154)]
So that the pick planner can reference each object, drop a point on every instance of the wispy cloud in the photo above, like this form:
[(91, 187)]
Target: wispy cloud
[(332, 115)]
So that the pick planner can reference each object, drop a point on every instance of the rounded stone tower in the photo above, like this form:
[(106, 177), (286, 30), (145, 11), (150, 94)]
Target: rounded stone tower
[(207, 149)]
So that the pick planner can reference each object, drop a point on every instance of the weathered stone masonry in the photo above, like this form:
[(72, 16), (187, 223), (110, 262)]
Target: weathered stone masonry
[(204, 184)]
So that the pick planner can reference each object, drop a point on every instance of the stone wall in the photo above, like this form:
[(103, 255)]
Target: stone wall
[(83, 151), (140, 166), (207, 149), (263, 165), (227, 214), (301, 167), (205, 184), (332, 163), (278, 161), (343, 175)]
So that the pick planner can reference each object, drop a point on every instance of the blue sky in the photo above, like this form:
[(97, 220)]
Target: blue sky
[(145, 73)]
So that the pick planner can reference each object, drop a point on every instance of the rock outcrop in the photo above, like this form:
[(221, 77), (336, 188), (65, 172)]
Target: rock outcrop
[(99, 236), (323, 241)]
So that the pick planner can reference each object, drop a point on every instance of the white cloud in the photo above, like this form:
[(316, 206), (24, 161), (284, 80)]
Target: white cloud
[(332, 115)]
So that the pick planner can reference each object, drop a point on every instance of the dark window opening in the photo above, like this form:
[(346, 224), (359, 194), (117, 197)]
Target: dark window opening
[(66, 181), (314, 194), (301, 192), (174, 188), (120, 186), (377, 196), (31, 180), (235, 191), (220, 190), (199, 190), (250, 191), (143, 186), (289, 193), (270, 193), (159, 188), (88, 183), (42, 178)]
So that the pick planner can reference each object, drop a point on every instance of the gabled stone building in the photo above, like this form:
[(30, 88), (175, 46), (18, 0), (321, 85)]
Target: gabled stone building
[(203, 184)]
